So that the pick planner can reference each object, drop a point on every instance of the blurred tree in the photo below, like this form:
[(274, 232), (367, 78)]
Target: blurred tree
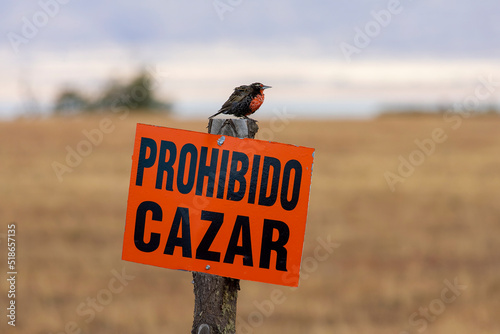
[(70, 101), (135, 95)]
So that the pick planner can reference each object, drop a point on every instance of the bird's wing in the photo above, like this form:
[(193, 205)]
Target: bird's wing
[(239, 94)]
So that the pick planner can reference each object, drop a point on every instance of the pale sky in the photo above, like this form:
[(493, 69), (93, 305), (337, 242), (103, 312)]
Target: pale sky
[(331, 58)]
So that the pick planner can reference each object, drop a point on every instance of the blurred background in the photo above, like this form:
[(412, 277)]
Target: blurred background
[(343, 58), (400, 99)]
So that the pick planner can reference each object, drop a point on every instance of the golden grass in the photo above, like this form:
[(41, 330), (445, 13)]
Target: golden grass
[(396, 248)]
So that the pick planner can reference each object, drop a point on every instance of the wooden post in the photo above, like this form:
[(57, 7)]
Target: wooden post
[(215, 296)]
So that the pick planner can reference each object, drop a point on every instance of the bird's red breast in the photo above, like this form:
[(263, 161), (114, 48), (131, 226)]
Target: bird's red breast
[(256, 102)]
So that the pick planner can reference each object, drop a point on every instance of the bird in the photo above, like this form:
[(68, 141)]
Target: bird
[(244, 101)]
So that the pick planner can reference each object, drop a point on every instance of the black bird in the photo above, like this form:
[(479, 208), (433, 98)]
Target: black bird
[(244, 101)]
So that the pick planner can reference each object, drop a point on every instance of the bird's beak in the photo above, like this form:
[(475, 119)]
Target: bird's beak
[(266, 87)]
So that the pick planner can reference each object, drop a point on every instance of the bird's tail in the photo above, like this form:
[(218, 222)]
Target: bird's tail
[(218, 112)]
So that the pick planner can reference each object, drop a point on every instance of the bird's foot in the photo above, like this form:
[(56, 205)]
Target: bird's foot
[(245, 117)]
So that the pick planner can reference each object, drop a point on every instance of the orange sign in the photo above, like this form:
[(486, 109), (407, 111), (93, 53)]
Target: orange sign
[(217, 204)]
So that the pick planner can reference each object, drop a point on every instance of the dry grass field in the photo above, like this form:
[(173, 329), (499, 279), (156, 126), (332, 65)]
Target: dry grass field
[(422, 258)]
